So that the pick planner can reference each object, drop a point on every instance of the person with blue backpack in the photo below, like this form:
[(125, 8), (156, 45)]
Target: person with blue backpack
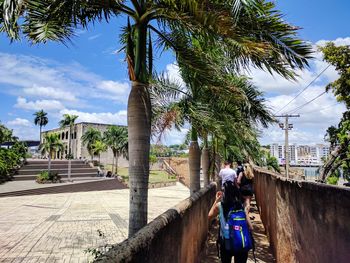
[(235, 238)]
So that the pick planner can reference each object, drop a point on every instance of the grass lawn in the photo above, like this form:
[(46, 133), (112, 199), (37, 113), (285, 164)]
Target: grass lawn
[(155, 176)]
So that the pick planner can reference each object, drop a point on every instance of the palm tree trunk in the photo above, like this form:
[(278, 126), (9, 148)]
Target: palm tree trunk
[(40, 134), (116, 164), (69, 142), (194, 162), (139, 130), (49, 166), (113, 164), (205, 162)]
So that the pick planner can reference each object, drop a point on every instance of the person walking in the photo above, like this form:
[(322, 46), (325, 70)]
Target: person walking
[(226, 204), (245, 184), (227, 173)]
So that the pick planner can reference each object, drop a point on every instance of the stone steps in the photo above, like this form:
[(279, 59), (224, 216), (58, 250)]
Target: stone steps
[(97, 185), (25, 171), (55, 166), (33, 168), (63, 175)]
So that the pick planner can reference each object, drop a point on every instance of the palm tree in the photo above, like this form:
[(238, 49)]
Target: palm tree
[(41, 119), (116, 137), (229, 112), (50, 145), (91, 136), (69, 120), (98, 147), (251, 33)]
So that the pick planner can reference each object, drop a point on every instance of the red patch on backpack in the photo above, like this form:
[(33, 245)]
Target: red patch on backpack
[(237, 228)]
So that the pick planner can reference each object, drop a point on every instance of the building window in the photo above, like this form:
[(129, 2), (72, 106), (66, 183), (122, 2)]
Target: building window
[(62, 135), (67, 135), (59, 136), (75, 135)]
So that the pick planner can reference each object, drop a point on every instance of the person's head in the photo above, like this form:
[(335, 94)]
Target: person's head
[(227, 163), (248, 171), (239, 163), (232, 197)]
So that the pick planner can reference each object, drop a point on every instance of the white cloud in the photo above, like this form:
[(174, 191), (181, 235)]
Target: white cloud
[(46, 105), (101, 117), (175, 137), (94, 37), (173, 72), (118, 91), (19, 122), (49, 92), (42, 78), (316, 116), (338, 42)]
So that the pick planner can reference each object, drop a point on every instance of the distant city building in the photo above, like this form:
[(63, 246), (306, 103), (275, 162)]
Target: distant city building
[(301, 154), (79, 150)]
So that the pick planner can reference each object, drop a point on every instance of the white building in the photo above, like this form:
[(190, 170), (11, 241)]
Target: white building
[(301, 154), (79, 150)]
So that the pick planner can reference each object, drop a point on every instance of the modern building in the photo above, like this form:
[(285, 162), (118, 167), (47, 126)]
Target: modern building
[(79, 150), (277, 151), (301, 154)]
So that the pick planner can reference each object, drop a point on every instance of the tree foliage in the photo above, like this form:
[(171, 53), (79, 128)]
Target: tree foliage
[(10, 158), (339, 137)]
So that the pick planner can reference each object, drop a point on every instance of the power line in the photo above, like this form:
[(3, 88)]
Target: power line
[(329, 106), (304, 89), (302, 106)]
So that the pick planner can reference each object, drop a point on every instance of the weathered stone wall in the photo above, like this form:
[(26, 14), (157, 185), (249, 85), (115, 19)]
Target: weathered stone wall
[(177, 236), (305, 221), (180, 165)]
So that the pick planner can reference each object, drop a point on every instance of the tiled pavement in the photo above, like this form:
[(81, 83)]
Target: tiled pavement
[(59, 227)]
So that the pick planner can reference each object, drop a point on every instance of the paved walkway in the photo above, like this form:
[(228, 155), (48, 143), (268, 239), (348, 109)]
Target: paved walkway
[(59, 227)]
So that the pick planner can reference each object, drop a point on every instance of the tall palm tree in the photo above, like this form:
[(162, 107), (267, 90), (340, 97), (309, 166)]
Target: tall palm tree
[(98, 147), (116, 137), (50, 145), (251, 33), (41, 119), (91, 136), (69, 120)]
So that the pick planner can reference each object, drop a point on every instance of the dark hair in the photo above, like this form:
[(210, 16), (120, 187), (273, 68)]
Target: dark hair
[(227, 162), (239, 162), (232, 198)]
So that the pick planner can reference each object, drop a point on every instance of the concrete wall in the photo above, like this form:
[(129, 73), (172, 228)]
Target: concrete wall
[(305, 221), (177, 236), (180, 165)]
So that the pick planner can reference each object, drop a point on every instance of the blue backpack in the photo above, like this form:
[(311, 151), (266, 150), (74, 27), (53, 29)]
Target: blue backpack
[(234, 232)]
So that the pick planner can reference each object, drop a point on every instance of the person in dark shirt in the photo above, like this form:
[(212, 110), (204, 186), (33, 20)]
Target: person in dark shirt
[(245, 184)]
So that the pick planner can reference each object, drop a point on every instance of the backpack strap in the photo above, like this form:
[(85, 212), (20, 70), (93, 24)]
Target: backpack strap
[(222, 218)]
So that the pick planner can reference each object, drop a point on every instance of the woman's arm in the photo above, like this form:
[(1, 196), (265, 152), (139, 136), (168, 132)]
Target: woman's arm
[(250, 225), (239, 179), (214, 210)]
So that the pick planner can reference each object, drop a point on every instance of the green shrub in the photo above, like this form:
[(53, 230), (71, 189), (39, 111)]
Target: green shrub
[(46, 177), (332, 180)]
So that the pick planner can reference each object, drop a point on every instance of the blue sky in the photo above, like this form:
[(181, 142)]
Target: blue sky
[(88, 78)]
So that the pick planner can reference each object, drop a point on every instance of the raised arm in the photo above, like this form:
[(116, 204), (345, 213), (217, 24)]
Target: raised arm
[(214, 210)]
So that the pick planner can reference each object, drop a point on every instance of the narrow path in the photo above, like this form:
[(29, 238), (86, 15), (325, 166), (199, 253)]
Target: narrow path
[(263, 252)]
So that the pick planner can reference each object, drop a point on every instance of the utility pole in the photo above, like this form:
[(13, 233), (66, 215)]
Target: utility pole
[(286, 127)]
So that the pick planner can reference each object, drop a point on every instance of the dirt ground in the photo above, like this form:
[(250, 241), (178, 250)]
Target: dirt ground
[(263, 253)]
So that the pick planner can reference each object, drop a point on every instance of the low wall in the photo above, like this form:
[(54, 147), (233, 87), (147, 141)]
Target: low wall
[(305, 221), (177, 236), (180, 165)]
